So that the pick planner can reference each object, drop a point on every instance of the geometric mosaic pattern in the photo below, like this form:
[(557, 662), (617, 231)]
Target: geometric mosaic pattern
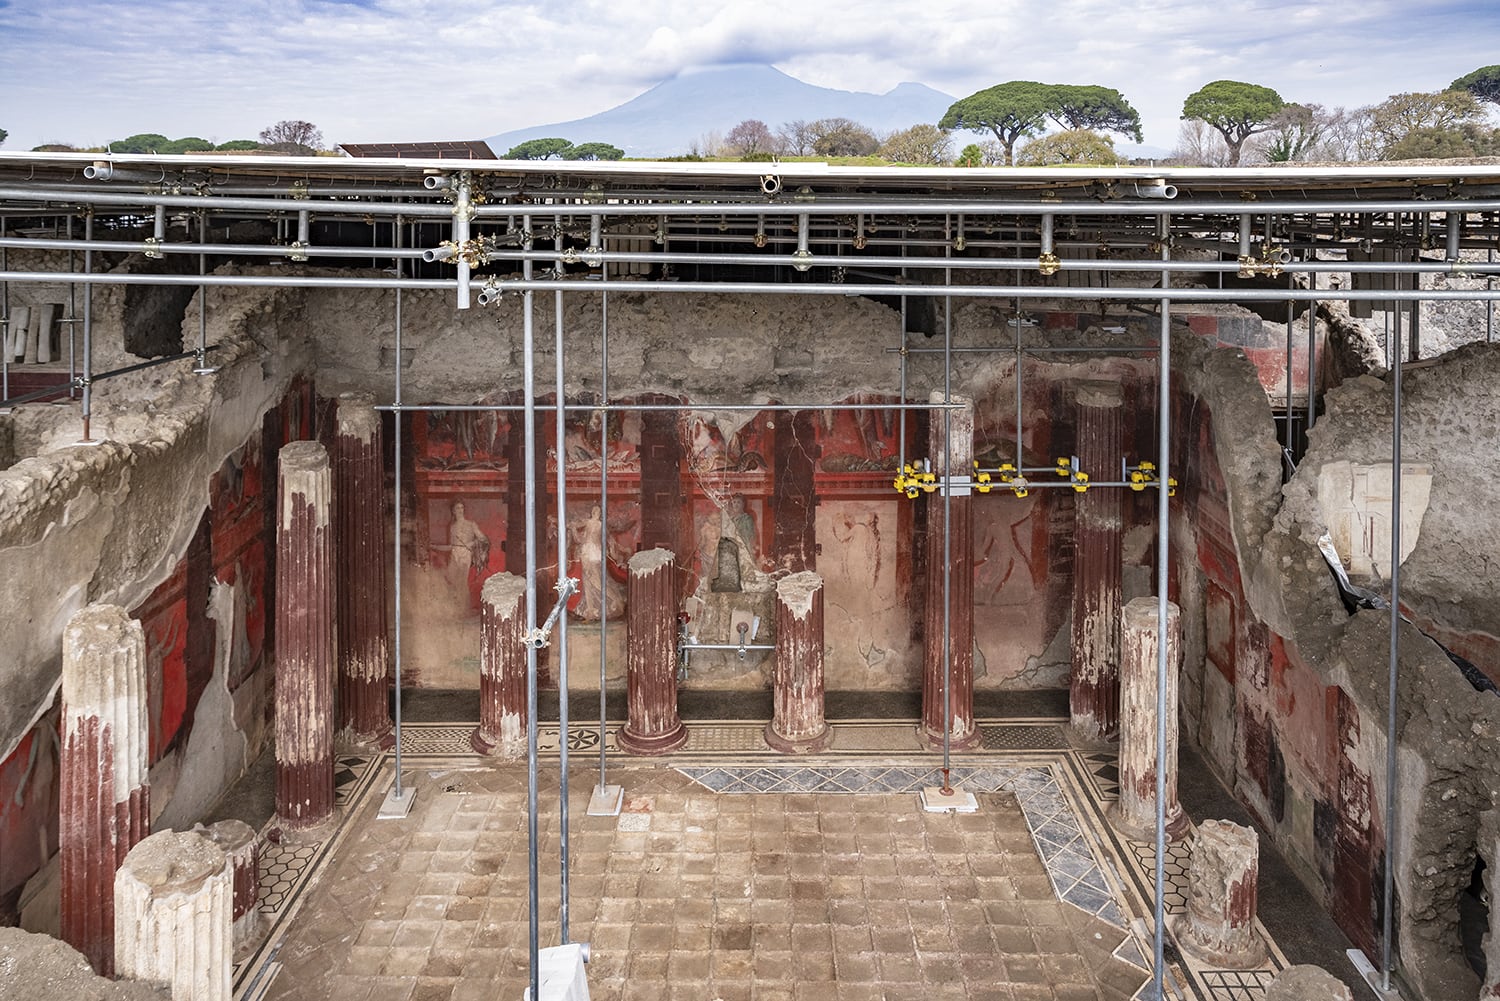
[(1076, 875), (1023, 737), (732, 758)]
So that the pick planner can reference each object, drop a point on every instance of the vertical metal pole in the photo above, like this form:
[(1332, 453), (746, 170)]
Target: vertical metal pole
[(1312, 352), (529, 498), (88, 322), (1489, 318), (1291, 423), (200, 363), (901, 414), (72, 315), (397, 505), (1020, 466), (1163, 461), (603, 511), (1391, 807), (947, 511), (560, 427), (5, 337)]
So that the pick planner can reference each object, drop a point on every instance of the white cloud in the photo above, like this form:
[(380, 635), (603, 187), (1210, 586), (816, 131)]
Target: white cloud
[(87, 71)]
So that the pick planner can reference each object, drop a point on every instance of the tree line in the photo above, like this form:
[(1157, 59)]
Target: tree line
[(290, 136), (1224, 123)]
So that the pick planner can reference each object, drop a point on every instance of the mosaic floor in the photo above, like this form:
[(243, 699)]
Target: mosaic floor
[(433, 907)]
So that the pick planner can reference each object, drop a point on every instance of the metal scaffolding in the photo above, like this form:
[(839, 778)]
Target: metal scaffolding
[(477, 230)]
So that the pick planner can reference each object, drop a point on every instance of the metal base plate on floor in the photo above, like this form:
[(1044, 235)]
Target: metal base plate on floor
[(1372, 977), (954, 801), (606, 801), (395, 807)]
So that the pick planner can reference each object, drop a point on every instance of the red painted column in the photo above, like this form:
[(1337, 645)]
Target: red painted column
[(104, 802), (653, 726), (502, 667), (1094, 686), (363, 626), (1134, 813), (797, 725), (1223, 877), (305, 663), (956, 457)]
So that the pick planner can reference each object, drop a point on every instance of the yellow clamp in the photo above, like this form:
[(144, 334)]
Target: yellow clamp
[(1008, 475), (982, 481), (1080, 479)]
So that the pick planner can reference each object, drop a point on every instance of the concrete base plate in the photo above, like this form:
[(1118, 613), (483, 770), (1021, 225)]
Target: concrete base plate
[(606, 801), (395, 807), (1371, 976), (955, 801)]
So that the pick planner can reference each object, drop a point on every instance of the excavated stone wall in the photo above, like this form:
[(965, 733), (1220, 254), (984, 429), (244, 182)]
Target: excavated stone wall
[(119, 519)]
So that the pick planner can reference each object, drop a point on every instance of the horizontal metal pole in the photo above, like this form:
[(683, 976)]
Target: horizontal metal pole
[(1087, 293), (16, 401), (992, 263), (583, 408), (725, 646), (151, 363), (270, 250), (1012, 349), (589, 203), (87, 196)]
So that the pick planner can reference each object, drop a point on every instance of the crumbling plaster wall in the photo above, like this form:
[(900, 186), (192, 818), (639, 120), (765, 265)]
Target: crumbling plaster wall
[(108, 521), (1312, 770)]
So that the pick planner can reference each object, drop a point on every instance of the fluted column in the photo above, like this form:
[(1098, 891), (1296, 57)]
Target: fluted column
[(502, 667), (241, 846), (1223, 877), (1134, 813), (1094, 688), (304, 643), (653, 726), (955, 458), (359, 493), (174, 895), (797, 725), (104, 805)]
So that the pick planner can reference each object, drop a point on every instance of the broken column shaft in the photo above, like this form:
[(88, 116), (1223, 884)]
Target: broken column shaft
[(653, 726), (1219, 925), (502, 667), (797, 725), (359, 492), (304, 642), (241, 846), (104, 803), (173, 897), (1134, 813), (955, 617), (1094, 685)]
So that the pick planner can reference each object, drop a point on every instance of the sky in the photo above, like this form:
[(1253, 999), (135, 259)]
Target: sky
[(88, 71)]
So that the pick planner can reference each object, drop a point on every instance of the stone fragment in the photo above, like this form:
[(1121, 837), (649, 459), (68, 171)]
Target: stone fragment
[(1219, 925), (1307, 983), (174, 897)]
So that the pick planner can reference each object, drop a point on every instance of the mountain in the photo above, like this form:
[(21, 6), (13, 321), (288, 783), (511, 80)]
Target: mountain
[(667, 119)]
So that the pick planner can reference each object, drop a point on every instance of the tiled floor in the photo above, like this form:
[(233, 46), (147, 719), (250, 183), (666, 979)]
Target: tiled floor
[(729, 875)]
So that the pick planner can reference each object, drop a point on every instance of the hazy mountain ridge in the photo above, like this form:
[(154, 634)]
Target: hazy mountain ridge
[(667, 119)]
